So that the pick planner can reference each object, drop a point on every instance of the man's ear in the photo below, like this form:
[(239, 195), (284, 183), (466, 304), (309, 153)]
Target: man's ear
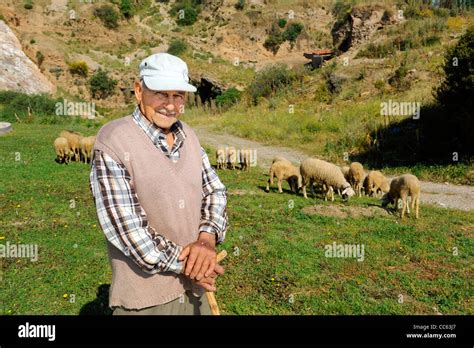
[(138, 91)]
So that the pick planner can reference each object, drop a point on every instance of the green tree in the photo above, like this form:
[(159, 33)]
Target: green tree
[(101, 85), (108, 16), (126, 8)]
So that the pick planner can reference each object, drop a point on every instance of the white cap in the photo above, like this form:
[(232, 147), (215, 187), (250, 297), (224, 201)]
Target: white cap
[(165, 72)]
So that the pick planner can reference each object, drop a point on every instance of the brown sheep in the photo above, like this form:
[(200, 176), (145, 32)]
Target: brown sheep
[(284, 170), (400, 188), (61, 147), (375, 182), (86, 144), (73, 139), (356, 177)]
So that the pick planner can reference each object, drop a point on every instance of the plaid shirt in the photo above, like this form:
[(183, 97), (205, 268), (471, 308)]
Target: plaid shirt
[(124, 221)]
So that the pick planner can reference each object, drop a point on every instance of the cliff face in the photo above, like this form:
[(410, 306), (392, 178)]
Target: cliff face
[(19, 73)]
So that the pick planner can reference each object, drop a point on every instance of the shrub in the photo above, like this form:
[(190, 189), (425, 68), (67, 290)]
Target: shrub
[(177, 47), (269, 80), (101, 85), (240, 5), (341, 11), (39, 58), (108, 16), (374, 50), (274, 40), (281, 22), (186, 11), (333, 82), (228, 98), (291, 33), (398, 79), (28, 4), (19, 103), (126, 8), (79, 68)]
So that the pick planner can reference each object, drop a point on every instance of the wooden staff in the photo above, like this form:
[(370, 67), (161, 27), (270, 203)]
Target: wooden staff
[(211, 297)]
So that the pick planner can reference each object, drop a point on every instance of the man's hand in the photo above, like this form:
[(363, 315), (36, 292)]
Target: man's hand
[(208, 283), (201, 257)]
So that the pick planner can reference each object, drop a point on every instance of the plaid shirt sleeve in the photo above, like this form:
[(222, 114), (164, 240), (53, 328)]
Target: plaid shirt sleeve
[(214, 218), (124, 221)]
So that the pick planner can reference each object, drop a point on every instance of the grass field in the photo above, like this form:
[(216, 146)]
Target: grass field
[(276, 262)]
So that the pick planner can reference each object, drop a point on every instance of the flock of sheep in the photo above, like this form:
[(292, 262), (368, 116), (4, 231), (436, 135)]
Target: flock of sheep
[(71, 145), (346, 181), (228, 157)]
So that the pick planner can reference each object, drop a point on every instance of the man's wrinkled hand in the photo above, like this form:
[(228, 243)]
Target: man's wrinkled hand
[(200, 257), (208, 283)]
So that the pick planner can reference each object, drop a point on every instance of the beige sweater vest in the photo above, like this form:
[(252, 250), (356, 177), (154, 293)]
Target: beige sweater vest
[(171, 195)]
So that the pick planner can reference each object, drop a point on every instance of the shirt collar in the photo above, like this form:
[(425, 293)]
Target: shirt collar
[(154, 132)]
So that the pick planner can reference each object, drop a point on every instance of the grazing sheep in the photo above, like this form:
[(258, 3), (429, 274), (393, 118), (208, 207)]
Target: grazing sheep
[(400, 188), (284, 170), (61, 148), (345, 172), (356, 177), (244, 159), (220, 158), (73, 139), (231, 157), (330, 175), (86, 144), (375, 182)]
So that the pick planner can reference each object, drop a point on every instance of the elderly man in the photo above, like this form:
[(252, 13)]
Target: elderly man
[(160, 204)]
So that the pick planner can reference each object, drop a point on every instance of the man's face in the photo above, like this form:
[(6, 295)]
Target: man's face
[(160, 107)]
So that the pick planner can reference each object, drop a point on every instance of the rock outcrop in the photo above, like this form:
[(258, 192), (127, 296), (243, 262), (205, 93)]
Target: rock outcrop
[(18, 72)]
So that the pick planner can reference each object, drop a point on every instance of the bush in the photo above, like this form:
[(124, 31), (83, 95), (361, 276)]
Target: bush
[(101, 85), (79, 68), (333, 82), (341, 11), (39, 58), (274, 40), (126, 8), (281, 22), (177, 47), (19, 103), (186, 11), (380, 50), (269, 80), (398, 79), (291, 33), (108, 16), (240, 5), (28, 4), (228, 98)]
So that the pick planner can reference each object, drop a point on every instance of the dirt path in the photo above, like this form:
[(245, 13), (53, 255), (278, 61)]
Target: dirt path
[(441, 195)]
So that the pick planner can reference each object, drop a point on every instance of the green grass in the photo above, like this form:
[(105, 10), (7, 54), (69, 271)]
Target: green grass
[(280, 248)]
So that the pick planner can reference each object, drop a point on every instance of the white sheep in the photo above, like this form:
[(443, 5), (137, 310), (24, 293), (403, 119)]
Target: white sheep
[(330, 175), (73, 139), (284, 170), (61, 147), (86, 144), (220, 158), (400, 188), (356, 177), (231, 157), (375, 182), (244, 159)]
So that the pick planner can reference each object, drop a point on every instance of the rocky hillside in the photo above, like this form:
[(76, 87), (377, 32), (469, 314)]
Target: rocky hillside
[(225, 46)]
